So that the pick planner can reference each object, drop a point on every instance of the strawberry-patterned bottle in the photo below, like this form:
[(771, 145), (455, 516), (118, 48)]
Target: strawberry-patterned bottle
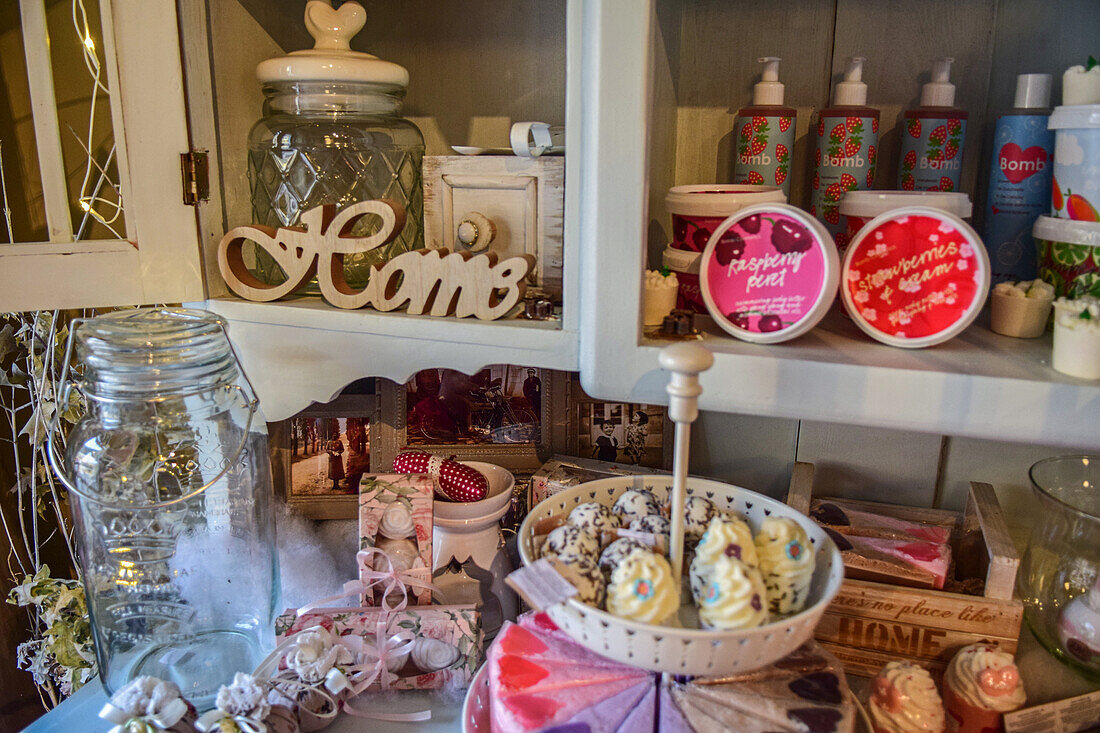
[(932, 137), (846, 153), (765, 133)]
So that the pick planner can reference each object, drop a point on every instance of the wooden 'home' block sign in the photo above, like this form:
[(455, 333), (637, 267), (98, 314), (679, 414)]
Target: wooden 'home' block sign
[(437, 282)]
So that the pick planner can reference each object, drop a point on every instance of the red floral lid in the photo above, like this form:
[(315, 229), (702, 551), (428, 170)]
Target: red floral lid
[(915, 277)]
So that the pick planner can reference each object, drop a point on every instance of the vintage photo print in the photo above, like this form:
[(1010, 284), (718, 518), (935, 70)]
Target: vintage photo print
[(620, 432), (501, 404), (328, 455)]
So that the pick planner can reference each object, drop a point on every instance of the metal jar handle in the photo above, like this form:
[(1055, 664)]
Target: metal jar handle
[(57, 462)]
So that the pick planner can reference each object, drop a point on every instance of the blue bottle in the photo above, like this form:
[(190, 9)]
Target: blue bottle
[(1019, 180)]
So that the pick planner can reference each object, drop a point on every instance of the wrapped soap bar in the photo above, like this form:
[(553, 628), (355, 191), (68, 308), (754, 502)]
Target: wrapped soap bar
[(847, 518), (422, 648), (917, 564)]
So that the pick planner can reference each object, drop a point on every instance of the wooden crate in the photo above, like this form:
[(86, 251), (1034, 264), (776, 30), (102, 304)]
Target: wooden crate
[(869, 624)]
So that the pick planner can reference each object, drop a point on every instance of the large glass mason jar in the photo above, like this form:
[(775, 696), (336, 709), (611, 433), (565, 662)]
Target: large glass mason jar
[(332, 133), (171, 485)]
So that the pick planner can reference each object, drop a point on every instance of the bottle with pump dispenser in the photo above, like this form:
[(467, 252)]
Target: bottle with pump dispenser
[(765, 133), (1019, 180), (846, 152), (932, 136)]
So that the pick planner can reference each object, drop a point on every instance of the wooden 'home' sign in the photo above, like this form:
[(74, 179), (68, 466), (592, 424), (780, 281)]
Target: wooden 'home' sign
[(436, 282)]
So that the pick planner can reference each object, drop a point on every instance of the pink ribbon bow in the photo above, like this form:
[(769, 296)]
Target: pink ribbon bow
[(388, 579)]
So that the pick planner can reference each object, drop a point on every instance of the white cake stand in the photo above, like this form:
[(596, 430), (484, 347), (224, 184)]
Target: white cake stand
[(677, 650)]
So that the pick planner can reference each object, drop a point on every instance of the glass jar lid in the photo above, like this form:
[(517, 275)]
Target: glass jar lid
[(331, 58)]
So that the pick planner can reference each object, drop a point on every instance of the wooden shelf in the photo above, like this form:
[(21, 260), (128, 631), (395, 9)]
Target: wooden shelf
[(303, 350), (979, 384)]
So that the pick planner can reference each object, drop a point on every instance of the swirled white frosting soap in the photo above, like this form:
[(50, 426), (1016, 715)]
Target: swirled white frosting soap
[(904, 700)]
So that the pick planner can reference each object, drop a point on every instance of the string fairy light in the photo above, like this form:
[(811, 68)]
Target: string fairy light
[(90, 203)]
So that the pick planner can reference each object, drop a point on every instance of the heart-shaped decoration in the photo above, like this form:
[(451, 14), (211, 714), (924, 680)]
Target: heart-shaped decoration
[(532, 711), (1000, 681), (333, 28), (818, 687), (521, 642), (1016, 163), (516, 673), (543, 622)]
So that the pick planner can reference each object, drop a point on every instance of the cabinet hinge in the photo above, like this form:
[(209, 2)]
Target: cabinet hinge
[(195, 166)]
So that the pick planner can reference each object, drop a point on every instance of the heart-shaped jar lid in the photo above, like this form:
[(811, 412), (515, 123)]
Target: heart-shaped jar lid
[(331, 58)]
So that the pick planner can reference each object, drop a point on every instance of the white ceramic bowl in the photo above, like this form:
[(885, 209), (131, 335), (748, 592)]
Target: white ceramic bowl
[(457, 514), (689, 651)]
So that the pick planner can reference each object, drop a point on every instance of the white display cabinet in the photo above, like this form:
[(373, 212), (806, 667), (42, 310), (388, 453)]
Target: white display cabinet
[(647, 91)]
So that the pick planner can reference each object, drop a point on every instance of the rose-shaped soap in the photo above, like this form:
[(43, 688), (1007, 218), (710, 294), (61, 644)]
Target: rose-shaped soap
[(981, 685), (729, 593), (635, 504), (457, 481), (315, 651), (594, 517), (151, 697), (727, 535), (904, 700), (641, 589), (570, 539), (245, 696), (786, 562), (396, 522)]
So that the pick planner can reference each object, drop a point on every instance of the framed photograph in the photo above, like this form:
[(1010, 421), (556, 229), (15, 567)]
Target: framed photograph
[(620, 432), (502, 414), (323, 452)]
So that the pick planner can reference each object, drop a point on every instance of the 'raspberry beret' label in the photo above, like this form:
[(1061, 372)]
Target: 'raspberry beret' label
[(914, 276), (766, 273)]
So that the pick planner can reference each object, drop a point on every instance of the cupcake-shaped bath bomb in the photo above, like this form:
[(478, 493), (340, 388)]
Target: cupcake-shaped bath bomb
[(698, 511), (730, 536), (618, 551), (594, 517), (584, 574), (729, 593), (635, 504), (981, 685), (569, 539), (641, 589), (786, 562), (904, 700)]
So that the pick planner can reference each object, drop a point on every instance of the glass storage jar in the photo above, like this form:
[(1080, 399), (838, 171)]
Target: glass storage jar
[(332, 133), (172, 504)]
